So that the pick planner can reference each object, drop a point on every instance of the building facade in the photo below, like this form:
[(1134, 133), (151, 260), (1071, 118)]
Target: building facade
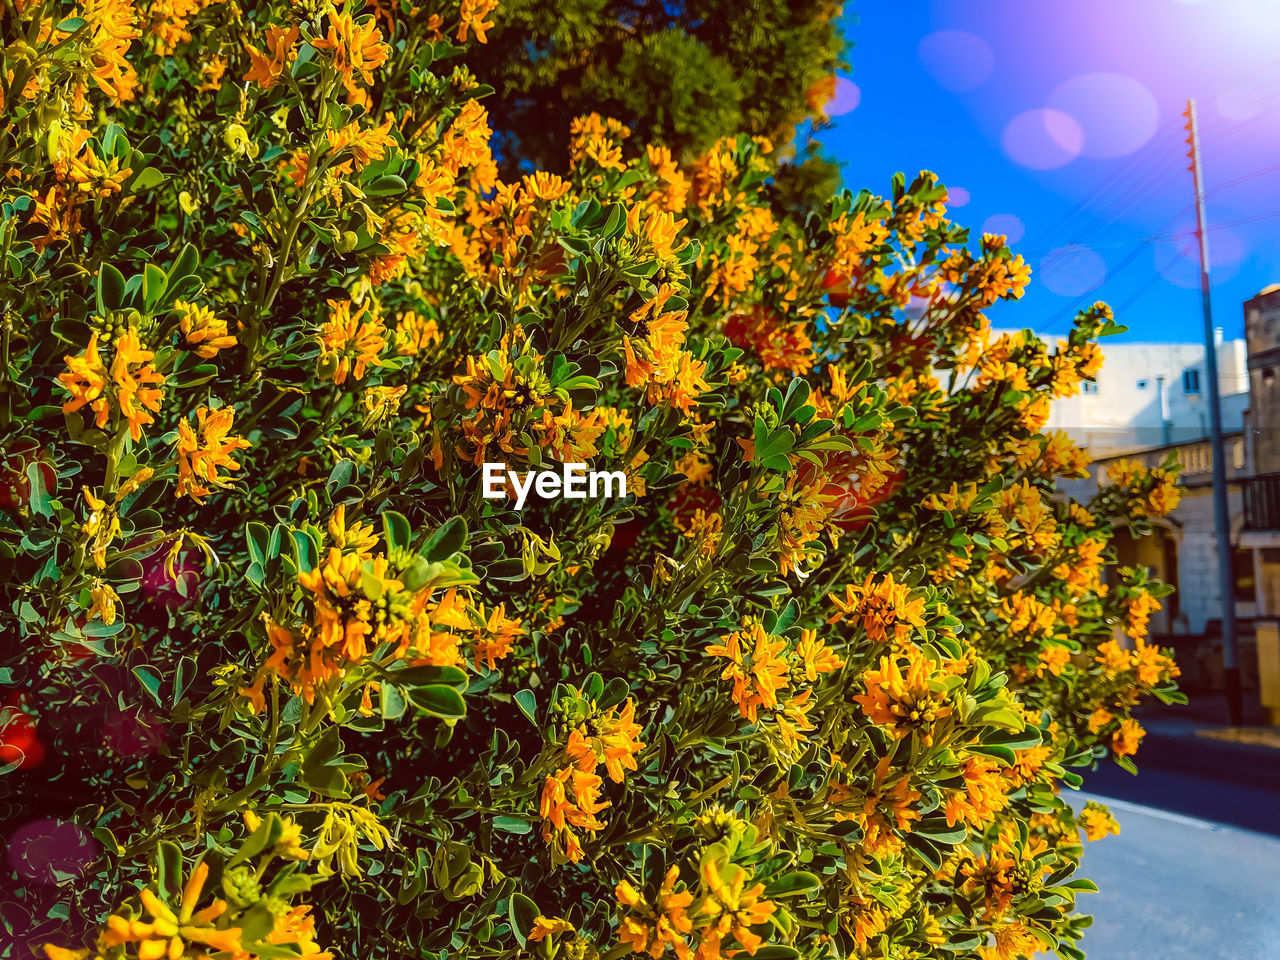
[(1150, 400), (1183, 550), (1150, 395)]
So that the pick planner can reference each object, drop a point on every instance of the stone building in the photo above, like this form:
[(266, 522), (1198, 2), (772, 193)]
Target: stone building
[(1150, 395), (1183, 550)]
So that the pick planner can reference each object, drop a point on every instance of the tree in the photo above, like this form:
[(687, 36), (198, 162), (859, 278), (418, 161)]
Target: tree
[(682, 74)]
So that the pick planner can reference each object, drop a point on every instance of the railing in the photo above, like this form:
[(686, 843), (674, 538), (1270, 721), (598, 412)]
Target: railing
[(1261, 501)]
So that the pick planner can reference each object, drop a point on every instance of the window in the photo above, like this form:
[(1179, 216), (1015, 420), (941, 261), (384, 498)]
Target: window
[(1142, 384), (1191, 381), (1089, 386)]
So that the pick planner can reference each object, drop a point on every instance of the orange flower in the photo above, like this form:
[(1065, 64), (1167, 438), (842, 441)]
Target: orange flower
[(755, 667), (880, 608), (86, 378), (473, 13), (203, 450), (366, 146), (905, 702), (1125, 740), (136, 382), (266, 69), (350, 342), (206, 334), (357, 47)]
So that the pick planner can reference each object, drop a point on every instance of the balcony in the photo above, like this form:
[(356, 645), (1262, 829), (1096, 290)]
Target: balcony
[(1261, 501)]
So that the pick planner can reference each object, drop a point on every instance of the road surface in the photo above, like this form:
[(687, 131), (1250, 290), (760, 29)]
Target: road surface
[(1176, 885)]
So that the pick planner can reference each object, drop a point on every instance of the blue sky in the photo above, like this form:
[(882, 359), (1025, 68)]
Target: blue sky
[(1062, 121)]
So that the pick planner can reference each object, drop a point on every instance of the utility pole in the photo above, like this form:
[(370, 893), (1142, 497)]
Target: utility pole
[(1221, 513)]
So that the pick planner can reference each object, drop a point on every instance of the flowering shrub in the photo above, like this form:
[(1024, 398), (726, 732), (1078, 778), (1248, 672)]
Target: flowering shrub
[(811, 687)]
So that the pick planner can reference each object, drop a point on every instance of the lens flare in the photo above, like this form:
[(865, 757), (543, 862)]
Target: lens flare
[(1116, 113), (956, 60), (1006, 225), (51, 851), (1043, 139), (846, 98), (1072, 270)]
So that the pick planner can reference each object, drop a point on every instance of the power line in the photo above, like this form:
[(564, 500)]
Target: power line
[(1070, 311)]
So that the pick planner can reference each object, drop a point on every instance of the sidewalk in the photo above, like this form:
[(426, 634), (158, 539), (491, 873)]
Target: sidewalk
[(1192, 764), (1192, 740)]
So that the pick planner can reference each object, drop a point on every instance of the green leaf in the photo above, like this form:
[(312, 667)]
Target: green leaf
[(421, 676), (386, 185), (776, 951), (793, 885), (523, 912), (185, 265), (447, 540), (147, 179), (306, 550), (154, 283), (396, 531), (939, 832), (257, 537), (528, 705), (994, 750), (150, 682), (110, 289), (512, 825), (439, 700), (342, 474), (394, 702), (41, 502), (169, 877), (182, 677)]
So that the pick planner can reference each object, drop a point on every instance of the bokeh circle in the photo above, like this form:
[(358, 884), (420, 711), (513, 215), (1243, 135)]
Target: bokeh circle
[(1043, 139), (956, 60), (1072, 270), (1006, 225), (1116, 113)]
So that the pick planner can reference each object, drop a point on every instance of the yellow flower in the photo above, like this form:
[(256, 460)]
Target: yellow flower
[(102, 527), (97, 177), (201, 451), (756, 667), (981, 798), (104, 599), (351, 343), (137, 382), (651, 928), (1099, 719), (169, 933), (658, 232), (473, 13), (1097, 822), (905, 703), (266, 69), (86, 378), (367, 146), (1126, 739), (1053, 658), (357, 47), (1113, 657), (549, 926), (880, 608), (206, 334), (815, 657)]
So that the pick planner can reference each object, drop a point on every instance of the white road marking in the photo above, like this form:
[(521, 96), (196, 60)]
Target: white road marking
[(1156, 813)]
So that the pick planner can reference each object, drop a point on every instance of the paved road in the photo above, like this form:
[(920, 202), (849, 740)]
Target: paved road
[(1178, 886)]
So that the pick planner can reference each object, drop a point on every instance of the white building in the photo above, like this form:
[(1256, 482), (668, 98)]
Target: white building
[(1150, 399), (1153, 395)]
